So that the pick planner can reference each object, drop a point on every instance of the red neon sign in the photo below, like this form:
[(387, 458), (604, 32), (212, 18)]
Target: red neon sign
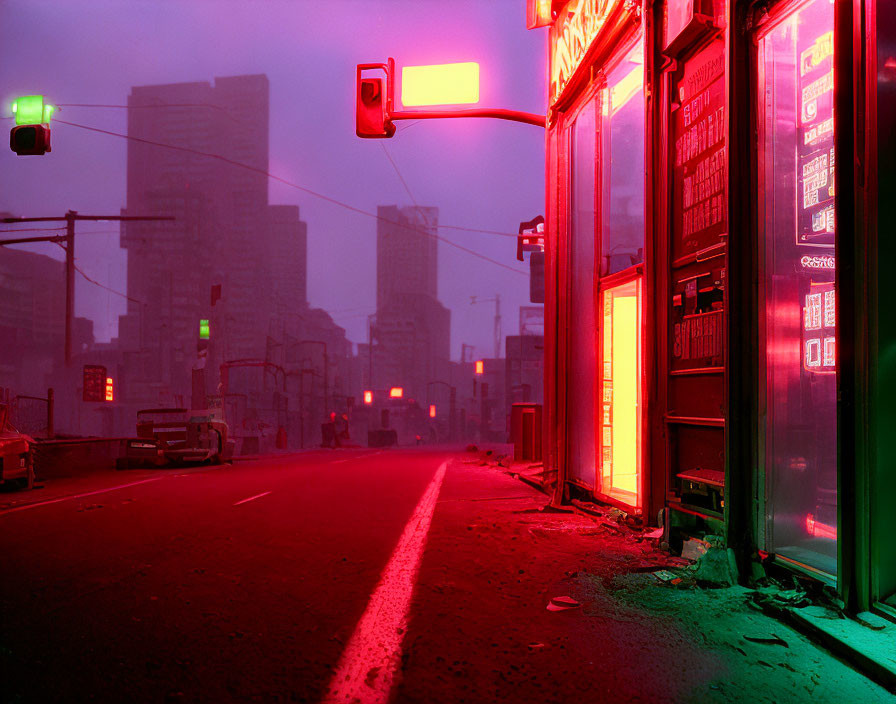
[(396, 392), (110, 393)]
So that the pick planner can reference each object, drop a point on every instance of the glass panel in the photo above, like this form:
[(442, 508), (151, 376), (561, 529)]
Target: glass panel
[(582, 363), (622, 164), (620, 425), (800, 312)]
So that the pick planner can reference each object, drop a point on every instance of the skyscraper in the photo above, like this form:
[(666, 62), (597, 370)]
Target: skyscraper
[(413, 328), (224, 231)]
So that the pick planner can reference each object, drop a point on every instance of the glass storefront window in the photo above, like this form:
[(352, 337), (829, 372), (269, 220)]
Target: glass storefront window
[(622, 164), (620, 409), (796, 79), (582, 362)]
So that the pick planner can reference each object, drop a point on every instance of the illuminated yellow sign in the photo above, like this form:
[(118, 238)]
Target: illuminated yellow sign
[(579, 24), (440, 84)]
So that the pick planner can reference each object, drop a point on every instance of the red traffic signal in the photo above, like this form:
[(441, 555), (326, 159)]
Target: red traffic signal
[(30, 139), (374, 103)]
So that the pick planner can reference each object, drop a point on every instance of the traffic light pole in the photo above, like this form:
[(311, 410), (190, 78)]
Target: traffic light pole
[(496, 113), (69, 239)]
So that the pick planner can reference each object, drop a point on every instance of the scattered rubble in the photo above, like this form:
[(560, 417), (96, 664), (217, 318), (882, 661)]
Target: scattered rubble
[(563, 603)]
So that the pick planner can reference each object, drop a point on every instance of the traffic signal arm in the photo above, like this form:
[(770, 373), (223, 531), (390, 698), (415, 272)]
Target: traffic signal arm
[(497, 113), (375, 106)]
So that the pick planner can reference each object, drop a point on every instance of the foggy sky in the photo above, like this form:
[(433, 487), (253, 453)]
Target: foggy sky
[(485, 174)]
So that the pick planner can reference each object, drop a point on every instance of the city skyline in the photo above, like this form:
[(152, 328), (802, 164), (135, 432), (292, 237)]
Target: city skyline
[(487, 157)]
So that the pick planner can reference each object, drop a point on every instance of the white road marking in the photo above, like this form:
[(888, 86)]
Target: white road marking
[(368, 664), (78, 496), (252, 498)]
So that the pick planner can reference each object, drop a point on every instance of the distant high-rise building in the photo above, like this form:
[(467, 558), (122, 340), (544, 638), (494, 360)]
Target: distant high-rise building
[(406, 254), (224, 232), (32, 319), (413, 328)]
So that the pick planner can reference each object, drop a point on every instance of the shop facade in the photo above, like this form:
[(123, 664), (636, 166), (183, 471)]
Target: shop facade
[(720, 350)]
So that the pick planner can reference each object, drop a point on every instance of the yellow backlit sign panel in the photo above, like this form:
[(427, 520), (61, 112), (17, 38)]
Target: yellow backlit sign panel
[(440, 84)]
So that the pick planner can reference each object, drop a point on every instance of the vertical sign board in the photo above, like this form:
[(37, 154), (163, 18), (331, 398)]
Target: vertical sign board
[(699, 210), (698, 229), (94, 384), (815, 209)]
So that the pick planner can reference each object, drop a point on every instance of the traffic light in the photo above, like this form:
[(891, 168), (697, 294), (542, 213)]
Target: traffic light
[(31, 135), (374, 103)]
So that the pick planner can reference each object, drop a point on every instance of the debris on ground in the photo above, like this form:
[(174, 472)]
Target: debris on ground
[(562, 603), (774, 640)]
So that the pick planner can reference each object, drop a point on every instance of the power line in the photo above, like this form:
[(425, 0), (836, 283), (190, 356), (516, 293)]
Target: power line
[(103, 286), (158, 105), (309, 191), (227, 112)]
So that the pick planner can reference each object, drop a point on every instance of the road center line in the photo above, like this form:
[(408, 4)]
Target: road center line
[(368, 664), (78, 496), (252, 498)]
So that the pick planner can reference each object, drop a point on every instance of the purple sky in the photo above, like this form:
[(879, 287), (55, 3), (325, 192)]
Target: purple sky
[(485, 174)]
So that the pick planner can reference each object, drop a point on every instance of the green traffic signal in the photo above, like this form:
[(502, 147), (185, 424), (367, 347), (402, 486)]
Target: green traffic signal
[(31, 110)]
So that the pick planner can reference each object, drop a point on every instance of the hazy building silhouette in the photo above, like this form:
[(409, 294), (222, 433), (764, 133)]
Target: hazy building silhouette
[(413, 329), (225, 233), (32, 319)]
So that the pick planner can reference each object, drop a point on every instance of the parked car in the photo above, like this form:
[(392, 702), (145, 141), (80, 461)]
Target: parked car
[(16, 456), (168, 436)]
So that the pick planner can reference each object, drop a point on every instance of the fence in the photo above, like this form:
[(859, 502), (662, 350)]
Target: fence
[(32, 415)]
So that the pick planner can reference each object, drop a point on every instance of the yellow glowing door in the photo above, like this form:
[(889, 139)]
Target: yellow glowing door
[(620, 424)]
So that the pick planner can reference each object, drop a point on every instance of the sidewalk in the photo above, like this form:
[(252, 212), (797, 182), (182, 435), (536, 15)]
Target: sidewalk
[(480, 629)]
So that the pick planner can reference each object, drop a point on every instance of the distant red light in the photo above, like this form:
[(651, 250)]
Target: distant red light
[(432, 411), (110, 391), (368, 397), (396, 392), (480, 366)]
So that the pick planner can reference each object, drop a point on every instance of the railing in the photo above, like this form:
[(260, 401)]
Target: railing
[(32, 415)]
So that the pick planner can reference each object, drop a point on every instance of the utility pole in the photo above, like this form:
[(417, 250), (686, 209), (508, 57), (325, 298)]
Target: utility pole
[(69, 243), (326, 371)]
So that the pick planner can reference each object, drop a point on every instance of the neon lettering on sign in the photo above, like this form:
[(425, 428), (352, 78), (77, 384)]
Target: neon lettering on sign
[(577, 27), (820, 328), (821, 262)]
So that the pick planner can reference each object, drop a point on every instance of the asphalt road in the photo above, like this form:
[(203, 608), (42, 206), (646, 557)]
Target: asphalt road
[(392, 576), (238, 582)]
